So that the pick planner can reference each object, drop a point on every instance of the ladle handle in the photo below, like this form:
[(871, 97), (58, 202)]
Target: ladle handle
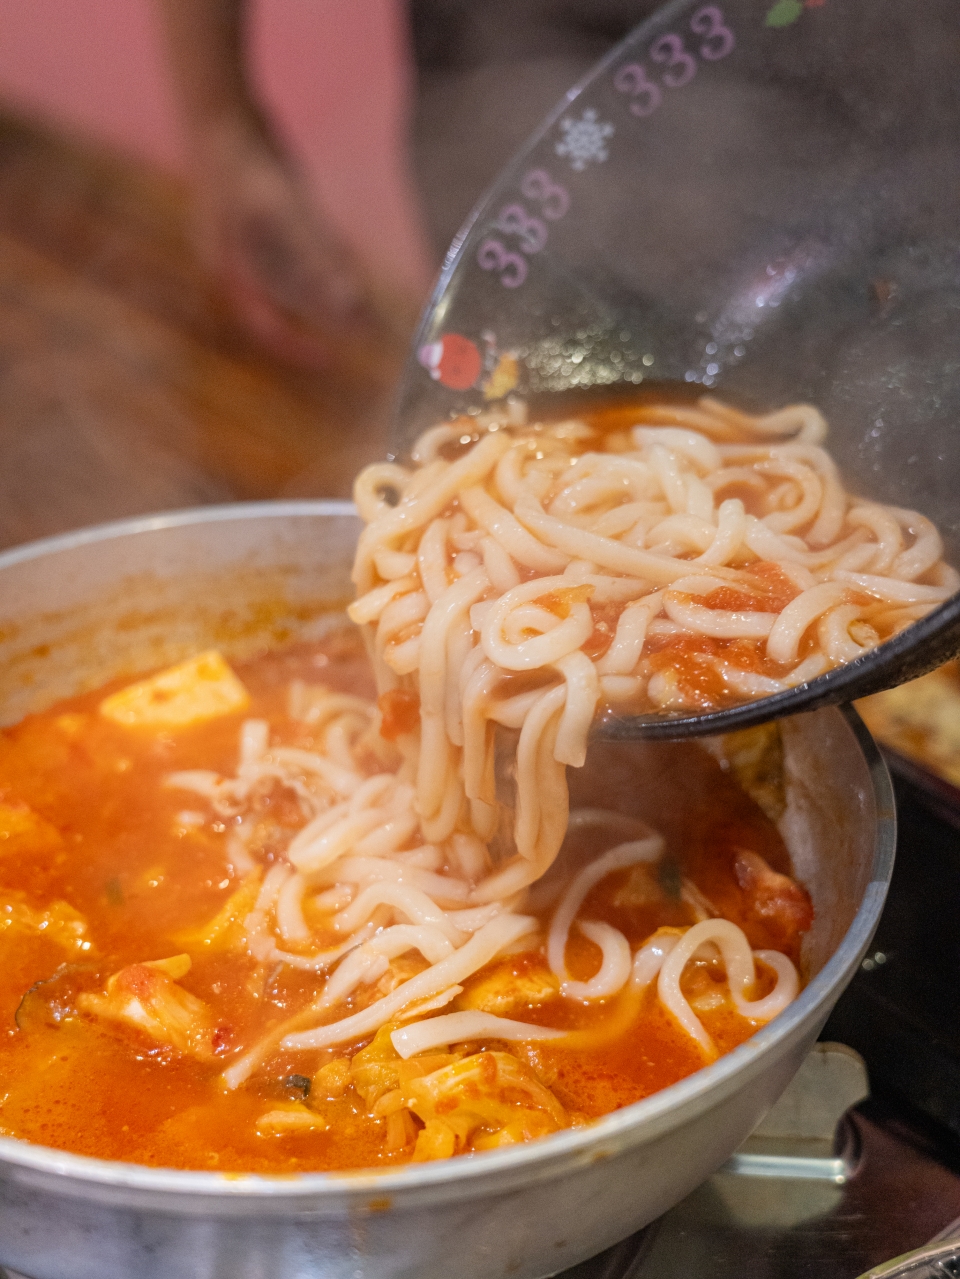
[(896, 662)]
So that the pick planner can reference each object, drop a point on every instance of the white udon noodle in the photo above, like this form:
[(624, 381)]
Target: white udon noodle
[(485, 568), (368, 877)]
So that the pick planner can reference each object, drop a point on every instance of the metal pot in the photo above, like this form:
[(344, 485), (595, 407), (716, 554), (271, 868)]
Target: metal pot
[(79, 609)]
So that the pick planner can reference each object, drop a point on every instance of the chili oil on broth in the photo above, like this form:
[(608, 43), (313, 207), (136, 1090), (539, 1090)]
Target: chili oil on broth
[(104, 867)]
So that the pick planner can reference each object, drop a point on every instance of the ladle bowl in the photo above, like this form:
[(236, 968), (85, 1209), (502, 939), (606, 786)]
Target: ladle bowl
[(754, 197)]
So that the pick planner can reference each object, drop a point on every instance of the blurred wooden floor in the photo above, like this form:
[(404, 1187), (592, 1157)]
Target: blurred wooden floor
[(124, 385)]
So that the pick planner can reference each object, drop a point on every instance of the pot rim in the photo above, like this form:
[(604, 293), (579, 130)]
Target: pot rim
[(220, 512), (633, 1125)]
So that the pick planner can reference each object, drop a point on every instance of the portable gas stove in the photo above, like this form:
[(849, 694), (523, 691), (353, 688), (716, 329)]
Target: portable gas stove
[(859, 1162), (801, 1206)]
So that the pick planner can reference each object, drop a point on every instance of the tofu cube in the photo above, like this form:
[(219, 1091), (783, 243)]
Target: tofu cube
[(199, 689)]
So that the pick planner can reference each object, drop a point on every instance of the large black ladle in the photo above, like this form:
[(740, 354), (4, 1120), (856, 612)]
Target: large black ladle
[(756, 197)]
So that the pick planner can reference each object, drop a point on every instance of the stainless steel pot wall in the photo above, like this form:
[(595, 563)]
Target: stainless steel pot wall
[(79, 609)]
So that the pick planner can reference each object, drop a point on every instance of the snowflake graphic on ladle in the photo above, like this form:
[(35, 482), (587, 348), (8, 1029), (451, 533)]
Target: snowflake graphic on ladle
[(584, 139)]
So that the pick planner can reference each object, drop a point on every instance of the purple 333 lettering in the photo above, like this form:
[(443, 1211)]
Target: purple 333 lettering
[(531, 231), (716, 40)]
